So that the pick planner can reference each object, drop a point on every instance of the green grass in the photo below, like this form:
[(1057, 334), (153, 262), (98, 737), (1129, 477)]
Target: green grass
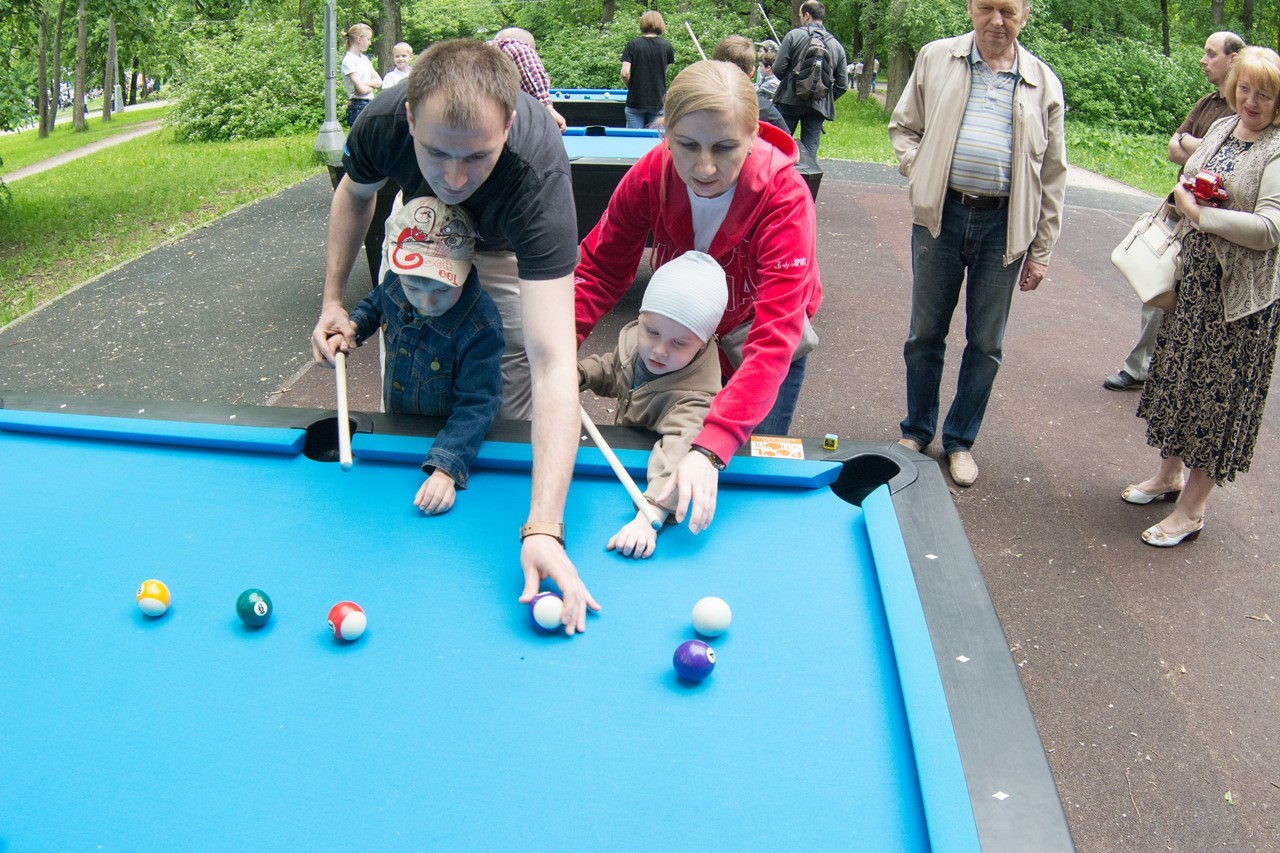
[(1138, 160), (22, 149), (860, 133), (71, 223)]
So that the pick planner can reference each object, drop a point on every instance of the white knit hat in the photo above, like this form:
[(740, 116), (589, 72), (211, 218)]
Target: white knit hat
[(691, 290)]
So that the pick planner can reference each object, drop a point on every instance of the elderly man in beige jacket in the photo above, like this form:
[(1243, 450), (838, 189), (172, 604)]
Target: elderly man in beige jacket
[(978, 133)]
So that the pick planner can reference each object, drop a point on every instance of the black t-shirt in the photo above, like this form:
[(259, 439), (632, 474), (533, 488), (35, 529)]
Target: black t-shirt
[(649, 58), (525, 205)]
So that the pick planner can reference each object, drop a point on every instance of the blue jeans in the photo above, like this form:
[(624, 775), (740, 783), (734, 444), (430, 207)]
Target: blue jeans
[(355, 106), (968, 250), (778, 421), (637, 117)]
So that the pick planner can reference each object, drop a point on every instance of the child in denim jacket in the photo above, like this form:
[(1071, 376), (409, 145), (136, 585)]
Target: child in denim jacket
[(442, 335)]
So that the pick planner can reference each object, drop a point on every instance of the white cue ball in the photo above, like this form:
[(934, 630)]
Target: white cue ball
[(547, 610), (711, 616)]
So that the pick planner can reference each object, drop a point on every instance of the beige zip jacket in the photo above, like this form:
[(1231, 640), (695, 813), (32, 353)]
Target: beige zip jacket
[(926, 122)]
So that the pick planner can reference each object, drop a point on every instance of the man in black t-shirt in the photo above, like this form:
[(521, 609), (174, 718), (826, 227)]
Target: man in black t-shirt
[(462, 130)]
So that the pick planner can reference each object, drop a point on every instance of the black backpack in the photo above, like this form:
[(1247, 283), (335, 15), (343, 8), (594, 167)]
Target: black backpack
[(813, 73)]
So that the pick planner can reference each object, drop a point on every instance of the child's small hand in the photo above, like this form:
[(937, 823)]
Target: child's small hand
[(437, 493), (636, 539)]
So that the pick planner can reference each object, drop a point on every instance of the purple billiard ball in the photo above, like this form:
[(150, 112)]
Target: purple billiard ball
[(694, 660), (545, 610)]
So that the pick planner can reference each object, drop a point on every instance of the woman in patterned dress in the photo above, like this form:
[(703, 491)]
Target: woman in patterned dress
[(1209, 376)]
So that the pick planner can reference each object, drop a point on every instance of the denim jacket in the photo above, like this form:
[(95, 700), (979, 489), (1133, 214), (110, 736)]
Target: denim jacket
[(444, 366)]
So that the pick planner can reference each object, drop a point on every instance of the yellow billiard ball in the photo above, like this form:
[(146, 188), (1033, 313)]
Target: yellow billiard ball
[(153, 597)]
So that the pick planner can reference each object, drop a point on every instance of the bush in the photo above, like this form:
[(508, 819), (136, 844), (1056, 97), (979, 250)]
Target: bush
[(1120, 82), (255, 80), (590, 57)]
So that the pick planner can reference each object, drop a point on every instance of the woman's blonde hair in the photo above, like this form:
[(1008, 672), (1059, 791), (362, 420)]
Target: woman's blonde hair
[(1261, 67), (711, 85), (355, 31)]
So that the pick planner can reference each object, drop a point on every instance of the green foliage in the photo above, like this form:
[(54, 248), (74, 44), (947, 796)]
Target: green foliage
[(590, 56), (252, 81), (917, 22), (1120, 82)]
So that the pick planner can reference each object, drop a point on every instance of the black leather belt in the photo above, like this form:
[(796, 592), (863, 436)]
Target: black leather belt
[(979, 202)]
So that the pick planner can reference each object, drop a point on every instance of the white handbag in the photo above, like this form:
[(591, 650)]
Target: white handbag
[(1148, 256)]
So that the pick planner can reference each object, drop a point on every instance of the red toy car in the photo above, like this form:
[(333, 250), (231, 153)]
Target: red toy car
[(1207, 186)]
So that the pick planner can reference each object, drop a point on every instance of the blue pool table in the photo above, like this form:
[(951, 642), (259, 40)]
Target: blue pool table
[(582, 107), (863, 699), (598, 158)]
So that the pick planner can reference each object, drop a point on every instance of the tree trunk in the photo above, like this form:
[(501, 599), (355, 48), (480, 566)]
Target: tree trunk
[(133, 83), (1246, 14), (1164, 26), (868, 64), (82, 38), (306, 18), (610, 8), (389, 30), (56, 86), (1216, 5), (795, 13), (42, 75), (899, 72), (109, 76)]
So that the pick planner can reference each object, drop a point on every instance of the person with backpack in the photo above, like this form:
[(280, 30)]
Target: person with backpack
[(813, 72)]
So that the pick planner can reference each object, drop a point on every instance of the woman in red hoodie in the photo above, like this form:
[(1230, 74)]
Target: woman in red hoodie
[(724, 184)]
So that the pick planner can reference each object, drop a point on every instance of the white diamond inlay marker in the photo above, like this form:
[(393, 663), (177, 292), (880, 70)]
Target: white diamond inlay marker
[(931, 556), (1000, 795), (963, 659)]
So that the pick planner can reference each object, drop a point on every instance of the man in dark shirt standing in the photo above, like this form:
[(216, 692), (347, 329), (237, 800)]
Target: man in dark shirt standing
[(462, 130), (1219, 50)]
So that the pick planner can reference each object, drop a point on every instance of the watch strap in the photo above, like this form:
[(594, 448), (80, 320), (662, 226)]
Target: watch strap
[(544, 528)]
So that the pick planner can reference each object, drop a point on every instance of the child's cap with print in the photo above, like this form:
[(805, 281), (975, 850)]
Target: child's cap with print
[(427, 238), (691, 290)]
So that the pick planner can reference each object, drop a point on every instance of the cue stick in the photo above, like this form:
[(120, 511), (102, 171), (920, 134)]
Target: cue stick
[(655, 520), (769, 23), (344, 414), (695, 40)]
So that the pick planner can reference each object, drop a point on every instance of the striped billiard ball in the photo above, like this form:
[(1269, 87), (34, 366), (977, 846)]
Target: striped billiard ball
[(153, 597), (347, 621)]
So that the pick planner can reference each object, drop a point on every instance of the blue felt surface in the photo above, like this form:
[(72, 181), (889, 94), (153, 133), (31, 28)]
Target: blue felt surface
[(453, 722), (617, 147)]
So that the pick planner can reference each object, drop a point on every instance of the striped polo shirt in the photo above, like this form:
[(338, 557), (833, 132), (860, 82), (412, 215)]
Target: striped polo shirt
[(983, 155)]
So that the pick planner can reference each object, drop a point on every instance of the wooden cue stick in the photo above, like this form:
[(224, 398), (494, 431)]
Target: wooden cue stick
[(629, 484), (769, 23), (344, 413), (695, 40)]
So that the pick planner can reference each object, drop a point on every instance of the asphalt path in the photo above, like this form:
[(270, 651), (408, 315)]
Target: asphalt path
[(1151, 673)]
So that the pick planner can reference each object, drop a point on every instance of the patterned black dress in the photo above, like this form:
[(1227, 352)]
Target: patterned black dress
[(1208, 382)]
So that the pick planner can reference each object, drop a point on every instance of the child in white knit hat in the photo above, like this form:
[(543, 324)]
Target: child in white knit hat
[(664, 373)]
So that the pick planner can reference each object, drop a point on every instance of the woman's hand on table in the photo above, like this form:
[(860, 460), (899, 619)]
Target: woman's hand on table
[(636, 539)]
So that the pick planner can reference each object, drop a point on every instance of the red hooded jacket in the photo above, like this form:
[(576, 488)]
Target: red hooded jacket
[(767, 246)]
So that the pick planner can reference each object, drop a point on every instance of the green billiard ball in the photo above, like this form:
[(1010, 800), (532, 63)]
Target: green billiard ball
[(254, 608)]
